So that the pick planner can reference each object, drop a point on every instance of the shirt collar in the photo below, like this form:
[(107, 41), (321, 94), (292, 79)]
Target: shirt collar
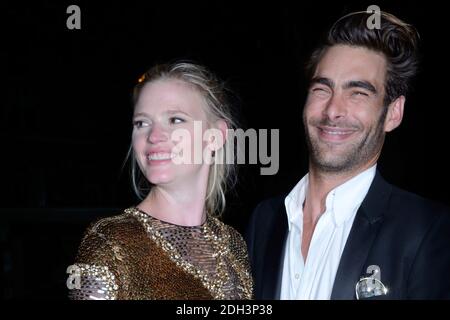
[(342, 201), (294, 203), (346, 198)]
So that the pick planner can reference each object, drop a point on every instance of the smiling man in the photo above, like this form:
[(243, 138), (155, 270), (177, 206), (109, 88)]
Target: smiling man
[(343, 232)]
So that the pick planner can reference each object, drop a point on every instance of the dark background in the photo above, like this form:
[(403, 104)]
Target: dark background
[(65, 115)]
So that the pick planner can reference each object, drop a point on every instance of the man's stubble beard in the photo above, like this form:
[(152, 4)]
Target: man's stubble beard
[(356, 155)]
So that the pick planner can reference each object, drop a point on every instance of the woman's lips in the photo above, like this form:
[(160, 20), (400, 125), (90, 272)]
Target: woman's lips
[(160, 157)]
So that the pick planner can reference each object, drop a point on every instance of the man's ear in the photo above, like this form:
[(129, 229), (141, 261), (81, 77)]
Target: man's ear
[(395, 114)]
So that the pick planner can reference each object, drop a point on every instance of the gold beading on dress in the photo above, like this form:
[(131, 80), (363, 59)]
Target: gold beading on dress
[(152, 259)]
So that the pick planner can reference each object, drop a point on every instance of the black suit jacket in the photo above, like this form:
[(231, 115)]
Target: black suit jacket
[(407, 236)]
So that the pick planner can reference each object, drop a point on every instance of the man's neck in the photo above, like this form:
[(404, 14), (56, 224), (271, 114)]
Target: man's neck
[(320, 183)]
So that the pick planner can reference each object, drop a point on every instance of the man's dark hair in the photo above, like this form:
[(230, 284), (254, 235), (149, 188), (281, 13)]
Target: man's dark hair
[(397, 40)]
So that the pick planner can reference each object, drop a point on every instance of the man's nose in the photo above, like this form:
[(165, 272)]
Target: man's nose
[(335, 107)]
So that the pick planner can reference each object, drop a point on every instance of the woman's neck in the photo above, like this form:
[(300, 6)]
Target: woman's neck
[(180, 206)]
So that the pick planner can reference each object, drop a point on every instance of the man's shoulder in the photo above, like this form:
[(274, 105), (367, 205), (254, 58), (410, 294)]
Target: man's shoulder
[(387, 199), (410, 214), (416, 206), (269, 213), (270, 205)]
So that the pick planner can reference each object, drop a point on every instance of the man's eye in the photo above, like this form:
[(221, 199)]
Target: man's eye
[(359, 93), (176, 120), (320, 91)]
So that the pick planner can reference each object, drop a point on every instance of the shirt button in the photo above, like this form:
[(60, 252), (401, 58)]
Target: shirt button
[(297, 276)]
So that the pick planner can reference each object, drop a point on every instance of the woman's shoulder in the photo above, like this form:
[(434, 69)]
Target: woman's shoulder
[(116, 226), (111, 234), (235, 237), (109, 241), (104, 254), (239, 253)]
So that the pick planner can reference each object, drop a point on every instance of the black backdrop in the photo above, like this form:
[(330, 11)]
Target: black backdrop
[(65, 116)]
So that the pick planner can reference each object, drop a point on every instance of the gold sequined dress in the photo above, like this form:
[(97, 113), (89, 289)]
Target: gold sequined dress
[(135, 256)]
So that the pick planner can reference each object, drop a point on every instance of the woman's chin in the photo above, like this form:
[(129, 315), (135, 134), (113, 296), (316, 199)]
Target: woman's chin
[(156, 179)]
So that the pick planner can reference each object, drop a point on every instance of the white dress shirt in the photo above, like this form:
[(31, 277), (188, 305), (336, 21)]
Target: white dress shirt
[(314, 278)]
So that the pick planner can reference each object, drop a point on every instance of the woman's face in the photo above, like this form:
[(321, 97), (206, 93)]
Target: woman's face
[(163, 132)]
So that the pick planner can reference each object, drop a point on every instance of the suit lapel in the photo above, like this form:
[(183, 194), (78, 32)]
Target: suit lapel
[(273, 264), (364, 230)]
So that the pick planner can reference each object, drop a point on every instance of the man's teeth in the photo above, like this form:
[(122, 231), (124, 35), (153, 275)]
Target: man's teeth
[(160, 156), (337, 132)]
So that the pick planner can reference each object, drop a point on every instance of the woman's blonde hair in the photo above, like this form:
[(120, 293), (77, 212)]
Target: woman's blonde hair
[(222, 175)]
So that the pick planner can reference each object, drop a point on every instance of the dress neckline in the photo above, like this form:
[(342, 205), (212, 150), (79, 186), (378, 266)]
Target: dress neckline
[(170, 224)]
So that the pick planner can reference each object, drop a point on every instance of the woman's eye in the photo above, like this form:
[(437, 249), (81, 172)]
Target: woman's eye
[(139, 124), (176, 120)]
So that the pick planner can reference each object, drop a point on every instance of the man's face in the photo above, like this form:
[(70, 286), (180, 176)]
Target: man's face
[(344, 115)]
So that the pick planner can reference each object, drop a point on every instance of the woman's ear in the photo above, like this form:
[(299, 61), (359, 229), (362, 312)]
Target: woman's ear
[(215, 138), (395, 114), (223, 127)]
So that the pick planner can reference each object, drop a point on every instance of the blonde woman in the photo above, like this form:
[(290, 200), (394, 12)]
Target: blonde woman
[(171, 245)]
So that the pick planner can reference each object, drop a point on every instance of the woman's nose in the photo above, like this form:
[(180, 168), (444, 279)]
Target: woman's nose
[(157, 134)]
